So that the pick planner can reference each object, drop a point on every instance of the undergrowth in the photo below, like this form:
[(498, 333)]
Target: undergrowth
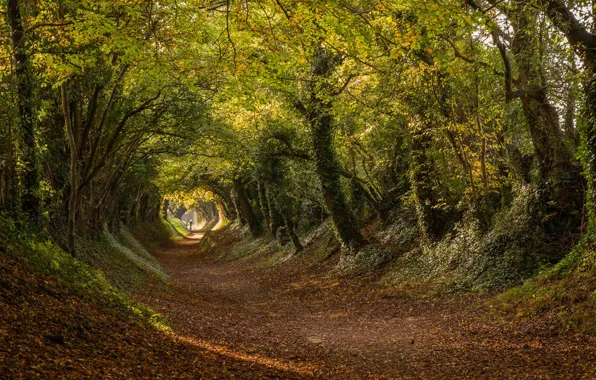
[(567, 292), (79, 275), (266, 250), (469, 259), (154, 234)]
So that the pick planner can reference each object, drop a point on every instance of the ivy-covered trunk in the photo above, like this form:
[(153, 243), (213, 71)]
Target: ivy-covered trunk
[(30, 203), (275, 218), (327, 165), (264, 205), (554, 158), (328, 172), (420, 177), (588, 135)]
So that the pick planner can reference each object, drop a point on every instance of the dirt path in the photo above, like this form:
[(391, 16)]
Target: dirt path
[(300, 321)]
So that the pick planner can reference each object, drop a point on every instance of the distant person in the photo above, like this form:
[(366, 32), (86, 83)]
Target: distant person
[(190, 223)]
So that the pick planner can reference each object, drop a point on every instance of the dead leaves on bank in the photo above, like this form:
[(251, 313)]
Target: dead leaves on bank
[(47, 332)]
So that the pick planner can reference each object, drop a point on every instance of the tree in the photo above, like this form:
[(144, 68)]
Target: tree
[(23, 74), (317, 110)]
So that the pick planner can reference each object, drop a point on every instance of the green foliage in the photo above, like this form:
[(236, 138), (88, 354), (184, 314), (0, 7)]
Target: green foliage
[(570, 300), (153, 233), (511, 251), (566, 291), (366, 260), (322, 241)]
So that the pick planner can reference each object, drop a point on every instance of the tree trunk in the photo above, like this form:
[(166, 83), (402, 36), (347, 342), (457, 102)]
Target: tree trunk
[(589, 139), (327, 166), (570, 107), (264, 205), (166, 205), (554, 158), (74, 175), (291, 228), (241, 218), (328, 172), (246, 209), (421, 172), (31, 203), (358, 199), (275, 218)]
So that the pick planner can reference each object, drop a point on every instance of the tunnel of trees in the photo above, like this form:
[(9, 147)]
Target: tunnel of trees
[(450, 117)]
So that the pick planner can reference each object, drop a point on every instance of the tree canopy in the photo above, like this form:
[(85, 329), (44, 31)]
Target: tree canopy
[(288, 113)]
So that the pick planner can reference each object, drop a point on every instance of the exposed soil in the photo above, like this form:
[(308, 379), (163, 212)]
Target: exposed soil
[(298, 320)]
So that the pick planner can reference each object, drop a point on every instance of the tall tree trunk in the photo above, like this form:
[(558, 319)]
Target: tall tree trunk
[(328, 172), (241, 218), (554, 158), (584, 43), (358, 199), (589, 140), (31, 204), (12, 188), (264, 204), (570, 107), (290, 225), (74, 174), (275, 218), (327, 166), (421, 174)]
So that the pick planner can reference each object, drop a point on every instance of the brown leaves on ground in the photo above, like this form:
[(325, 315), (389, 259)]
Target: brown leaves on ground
[(299, 317), (235, 319), (47, 332)]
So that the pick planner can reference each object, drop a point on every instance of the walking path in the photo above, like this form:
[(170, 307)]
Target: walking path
[(298, 321)]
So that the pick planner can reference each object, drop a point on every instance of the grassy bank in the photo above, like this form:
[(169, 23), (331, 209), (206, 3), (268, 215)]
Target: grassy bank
[(103, 270)]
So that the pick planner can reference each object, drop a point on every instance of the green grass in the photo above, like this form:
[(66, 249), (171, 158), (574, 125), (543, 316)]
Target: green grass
[(178, 226), (153, 234)]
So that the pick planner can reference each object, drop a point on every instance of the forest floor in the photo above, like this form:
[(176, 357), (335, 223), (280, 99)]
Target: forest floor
[(296, 320), (242, 319)]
